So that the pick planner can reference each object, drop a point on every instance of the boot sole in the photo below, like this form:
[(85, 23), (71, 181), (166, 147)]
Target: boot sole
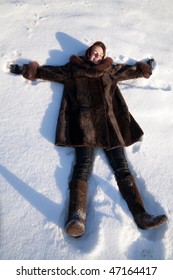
[(75, 228), (157, 222)]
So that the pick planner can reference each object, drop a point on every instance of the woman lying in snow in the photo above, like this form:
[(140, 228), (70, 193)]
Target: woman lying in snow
[(93, 114)]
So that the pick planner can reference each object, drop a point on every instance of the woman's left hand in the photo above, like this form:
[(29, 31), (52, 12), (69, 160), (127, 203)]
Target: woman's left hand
[(145, 68)]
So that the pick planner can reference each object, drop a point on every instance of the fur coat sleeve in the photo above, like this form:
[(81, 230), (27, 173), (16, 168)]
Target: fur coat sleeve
[(124, 72), (34, 71), (54, 73)]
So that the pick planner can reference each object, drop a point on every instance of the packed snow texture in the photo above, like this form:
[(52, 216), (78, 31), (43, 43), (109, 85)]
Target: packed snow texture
[(35, 174)]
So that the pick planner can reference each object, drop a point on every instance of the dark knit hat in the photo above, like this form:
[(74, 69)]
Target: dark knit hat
[(98, 44)]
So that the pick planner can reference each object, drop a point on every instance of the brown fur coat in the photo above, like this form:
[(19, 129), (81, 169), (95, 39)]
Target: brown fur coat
[(93, 111)]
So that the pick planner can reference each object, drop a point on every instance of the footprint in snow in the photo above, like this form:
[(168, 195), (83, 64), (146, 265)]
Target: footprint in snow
[(36, 21), (146, 254), (20, 4)]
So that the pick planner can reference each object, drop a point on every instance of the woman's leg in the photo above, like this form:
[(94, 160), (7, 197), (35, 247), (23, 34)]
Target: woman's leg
[(83, 164), (129, 190), (78, 192), (118, 162)]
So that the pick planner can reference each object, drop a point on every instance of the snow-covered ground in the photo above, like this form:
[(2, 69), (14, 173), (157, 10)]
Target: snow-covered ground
[(35, 174)]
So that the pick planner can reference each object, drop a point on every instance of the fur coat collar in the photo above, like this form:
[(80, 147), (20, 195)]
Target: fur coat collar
[(98, 69)]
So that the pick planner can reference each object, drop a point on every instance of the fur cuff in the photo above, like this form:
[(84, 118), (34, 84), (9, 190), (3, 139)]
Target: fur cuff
[(29, 71)]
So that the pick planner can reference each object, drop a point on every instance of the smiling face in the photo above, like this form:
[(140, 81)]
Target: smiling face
[(96, 55)]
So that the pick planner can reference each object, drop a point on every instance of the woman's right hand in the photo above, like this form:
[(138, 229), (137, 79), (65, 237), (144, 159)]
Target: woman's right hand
[(15, 69)]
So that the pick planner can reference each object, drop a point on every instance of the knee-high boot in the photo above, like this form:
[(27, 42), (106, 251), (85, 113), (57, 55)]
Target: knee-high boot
[(75, 226), (132, 196)]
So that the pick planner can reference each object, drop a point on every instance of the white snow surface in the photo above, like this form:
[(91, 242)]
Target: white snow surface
[(34, 174)]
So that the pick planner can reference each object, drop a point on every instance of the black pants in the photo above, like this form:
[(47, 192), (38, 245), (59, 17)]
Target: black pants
[(84, 160)]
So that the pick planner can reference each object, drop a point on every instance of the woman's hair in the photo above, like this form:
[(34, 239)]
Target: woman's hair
[(99, 44)]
